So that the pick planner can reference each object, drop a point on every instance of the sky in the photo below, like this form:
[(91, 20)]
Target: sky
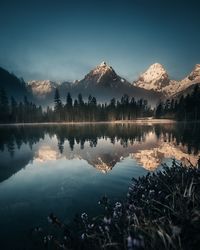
[(65, 39)]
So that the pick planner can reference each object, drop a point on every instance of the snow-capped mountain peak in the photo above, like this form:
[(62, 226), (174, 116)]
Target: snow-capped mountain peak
[(101, 69), (195, 74), (177, 88), (43, 87), (103, 64), (103, 74), (154, 72), (154, 78), (157, 79)]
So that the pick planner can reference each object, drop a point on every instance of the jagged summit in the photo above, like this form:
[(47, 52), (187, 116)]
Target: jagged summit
[(103, 64), (195, 74), (155, 72), (154, 78), (157, 79), (102, 74), (185, 86)]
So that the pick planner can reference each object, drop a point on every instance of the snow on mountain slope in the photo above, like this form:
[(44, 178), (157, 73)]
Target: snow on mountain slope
[(102, 75), (155, 78), (102, 82), (195, 74), (42, 88), (176, 87)]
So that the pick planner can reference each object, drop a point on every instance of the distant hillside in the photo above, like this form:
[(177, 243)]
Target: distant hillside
[(13, 85)]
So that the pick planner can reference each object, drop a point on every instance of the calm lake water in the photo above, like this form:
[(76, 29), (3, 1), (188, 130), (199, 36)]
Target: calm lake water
[(66, 169)]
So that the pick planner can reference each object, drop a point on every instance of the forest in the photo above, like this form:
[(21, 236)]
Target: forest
[(186, 108), (78, 110)]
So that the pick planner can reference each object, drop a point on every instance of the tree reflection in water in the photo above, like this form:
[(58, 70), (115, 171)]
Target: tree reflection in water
[(101, 145)]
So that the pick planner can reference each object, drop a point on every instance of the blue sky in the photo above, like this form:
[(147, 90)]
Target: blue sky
[(64, 39)]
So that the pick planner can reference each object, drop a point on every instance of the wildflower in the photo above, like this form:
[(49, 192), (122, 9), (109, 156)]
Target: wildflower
[(49, 237), (107, 220), (107, 228), (118, 205), (175, 231), (45, 239), (129, 243), (101, 229), (115, 214), (90, 226), (84, 216), (83, 236)]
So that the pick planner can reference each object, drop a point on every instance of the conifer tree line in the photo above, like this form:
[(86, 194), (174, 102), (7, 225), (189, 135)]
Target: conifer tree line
[(187, 108), (89, 110), (12, 111), (73, 110), (80, 110)]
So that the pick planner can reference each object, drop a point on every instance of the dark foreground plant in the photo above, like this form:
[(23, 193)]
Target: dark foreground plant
[(161, 211)]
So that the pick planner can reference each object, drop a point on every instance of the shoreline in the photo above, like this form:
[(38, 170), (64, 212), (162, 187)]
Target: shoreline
[(136, 121)]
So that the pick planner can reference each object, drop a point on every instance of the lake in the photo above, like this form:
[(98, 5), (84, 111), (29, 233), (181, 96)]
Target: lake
[(66, 169)]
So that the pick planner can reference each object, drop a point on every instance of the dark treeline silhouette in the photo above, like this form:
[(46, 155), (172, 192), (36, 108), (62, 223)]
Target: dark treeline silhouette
[(80, 110), (12, 111), (76, 110), (187, 108)]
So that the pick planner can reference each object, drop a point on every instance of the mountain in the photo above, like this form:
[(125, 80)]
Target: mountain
[(156, 78), (13, 85), (102, 82), (43, 90), (104, 76), (186, 85)]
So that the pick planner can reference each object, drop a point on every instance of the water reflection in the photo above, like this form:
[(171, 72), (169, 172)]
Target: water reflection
[(60, 169), (102, 146)]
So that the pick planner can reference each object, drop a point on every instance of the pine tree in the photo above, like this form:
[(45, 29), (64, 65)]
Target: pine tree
[(13, 111), (159, 110), (57, 106), (4, 106)]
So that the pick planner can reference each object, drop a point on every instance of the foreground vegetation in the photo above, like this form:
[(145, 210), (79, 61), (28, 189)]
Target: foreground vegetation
[(161, 211)]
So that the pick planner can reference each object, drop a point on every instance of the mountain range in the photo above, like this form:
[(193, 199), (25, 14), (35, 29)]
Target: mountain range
[(104, 83), (156, 78)]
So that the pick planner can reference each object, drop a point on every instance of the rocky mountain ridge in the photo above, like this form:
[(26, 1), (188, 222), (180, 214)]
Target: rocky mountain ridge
[(156, 78)]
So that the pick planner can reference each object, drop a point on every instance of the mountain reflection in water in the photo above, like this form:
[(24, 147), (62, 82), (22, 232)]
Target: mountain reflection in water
[(102, 146)]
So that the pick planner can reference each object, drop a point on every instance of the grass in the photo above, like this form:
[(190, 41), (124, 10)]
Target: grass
[(161, 211)]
